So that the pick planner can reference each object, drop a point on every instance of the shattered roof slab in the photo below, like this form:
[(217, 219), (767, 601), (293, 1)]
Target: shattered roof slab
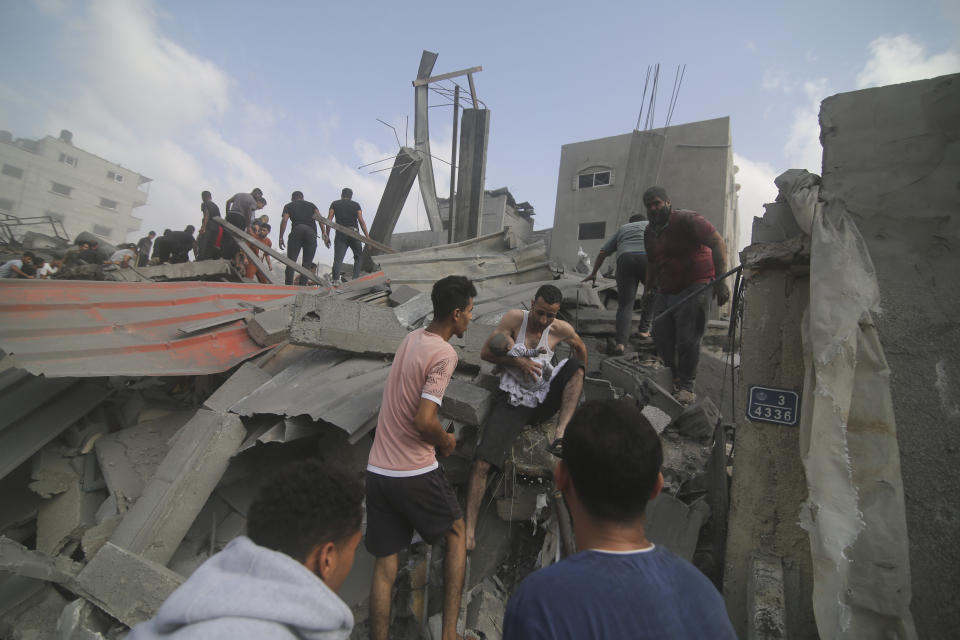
[(88, 329)]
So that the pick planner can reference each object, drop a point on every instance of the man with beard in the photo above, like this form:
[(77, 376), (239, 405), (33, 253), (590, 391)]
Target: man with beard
[(685, 251), (518, 406)]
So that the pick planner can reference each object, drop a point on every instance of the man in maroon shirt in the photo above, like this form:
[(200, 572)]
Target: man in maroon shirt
[(684, 252)]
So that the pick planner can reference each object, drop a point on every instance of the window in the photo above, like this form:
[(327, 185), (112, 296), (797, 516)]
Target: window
[(6, 204), (116, 177), (101, 230), (593, 179), (108, 204), (70, 160), (12, 171), (61, 189), (592, 230)]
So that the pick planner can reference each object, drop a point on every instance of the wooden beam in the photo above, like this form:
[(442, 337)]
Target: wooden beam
[(419, 82), (353, 233), (240, 236), (257, 262)]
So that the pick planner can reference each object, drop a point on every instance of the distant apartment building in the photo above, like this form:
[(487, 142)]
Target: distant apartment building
[(51, 177), (500, 211), (601, 183)]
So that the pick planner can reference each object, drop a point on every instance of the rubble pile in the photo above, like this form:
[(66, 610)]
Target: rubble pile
[(120, 480)]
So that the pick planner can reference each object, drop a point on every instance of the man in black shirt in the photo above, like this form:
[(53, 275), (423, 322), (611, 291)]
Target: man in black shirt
[(175, 246), (209, 238), (303, 231), (349, 214), (143, 248)]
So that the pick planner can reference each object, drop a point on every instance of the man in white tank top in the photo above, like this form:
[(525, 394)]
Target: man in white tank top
[(534, 329)]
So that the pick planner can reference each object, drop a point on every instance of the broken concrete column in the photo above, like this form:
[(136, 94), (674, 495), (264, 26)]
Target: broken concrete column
[(474, 135), (127, 586), (156, 524), (406, 166)]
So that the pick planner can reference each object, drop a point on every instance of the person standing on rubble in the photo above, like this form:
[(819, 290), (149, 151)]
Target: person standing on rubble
[(211, 234), (685, 252), (619, 584), (143, 248), (281, 579), (406, 488), (631, 252), (240, 209), (303, 231), (349, 214), (517, 407)]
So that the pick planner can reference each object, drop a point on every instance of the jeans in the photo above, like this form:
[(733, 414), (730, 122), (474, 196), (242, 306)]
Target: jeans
[(302, 236), (631, 272), (340, 244), (678, 334)]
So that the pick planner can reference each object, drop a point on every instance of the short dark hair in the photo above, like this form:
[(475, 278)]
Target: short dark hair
[(29, 254), (296, 195), (265, 225), (346, 193), (261, 201), (205, 194), (638, 216), (304, 505), (152, 233), (613, 456), (450, 293), (549, 294), (655, 192), (190, 228), (256, 192)]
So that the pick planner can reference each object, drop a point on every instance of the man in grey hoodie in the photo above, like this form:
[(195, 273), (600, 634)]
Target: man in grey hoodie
[(279, 581)]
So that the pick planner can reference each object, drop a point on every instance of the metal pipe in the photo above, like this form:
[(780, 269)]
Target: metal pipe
[(699, 290)]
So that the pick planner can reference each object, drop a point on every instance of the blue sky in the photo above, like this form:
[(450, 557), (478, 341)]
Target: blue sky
[(285, 95)]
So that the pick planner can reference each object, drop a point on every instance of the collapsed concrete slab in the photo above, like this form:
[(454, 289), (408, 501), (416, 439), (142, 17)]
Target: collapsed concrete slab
[(242, 383), (270, 327), (345, 325), (157, 522)]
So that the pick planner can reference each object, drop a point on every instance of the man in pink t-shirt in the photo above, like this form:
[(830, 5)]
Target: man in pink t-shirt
[(406, 488)]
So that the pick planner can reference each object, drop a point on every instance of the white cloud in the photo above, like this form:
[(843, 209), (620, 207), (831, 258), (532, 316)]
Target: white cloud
[(756, 189), (241, 168), (899, 59), (802, 149)]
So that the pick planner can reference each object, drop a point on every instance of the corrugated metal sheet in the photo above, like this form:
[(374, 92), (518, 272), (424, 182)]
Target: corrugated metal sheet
[(78, 328)]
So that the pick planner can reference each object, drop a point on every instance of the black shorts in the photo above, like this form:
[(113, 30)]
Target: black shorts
[(396, 507), (506, 421)]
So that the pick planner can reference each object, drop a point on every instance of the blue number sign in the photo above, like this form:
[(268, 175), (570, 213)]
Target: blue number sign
[(765, 404)]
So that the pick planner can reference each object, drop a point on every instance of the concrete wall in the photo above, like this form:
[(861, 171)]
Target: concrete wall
[(694, 162), (768, 480), (892, 154), (87, 176)]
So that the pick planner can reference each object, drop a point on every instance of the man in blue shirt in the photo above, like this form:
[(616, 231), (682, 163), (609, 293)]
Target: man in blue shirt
[(619, 585)]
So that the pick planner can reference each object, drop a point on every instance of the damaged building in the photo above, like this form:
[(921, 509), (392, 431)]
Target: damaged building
[(812, 482)]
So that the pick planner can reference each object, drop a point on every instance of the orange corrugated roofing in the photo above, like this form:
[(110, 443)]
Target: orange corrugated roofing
[(86, 329)]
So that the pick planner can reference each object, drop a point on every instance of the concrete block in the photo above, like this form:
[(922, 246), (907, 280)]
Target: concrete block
[(657, 396), (122, 478), (402, 293), (183, 482), (125, 585), (270, 327), (345, 325), (699, 420), (598, 389), (674, 524), (766, 604), (80, 620), (487, 380), (238, 386), (466, 402)]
